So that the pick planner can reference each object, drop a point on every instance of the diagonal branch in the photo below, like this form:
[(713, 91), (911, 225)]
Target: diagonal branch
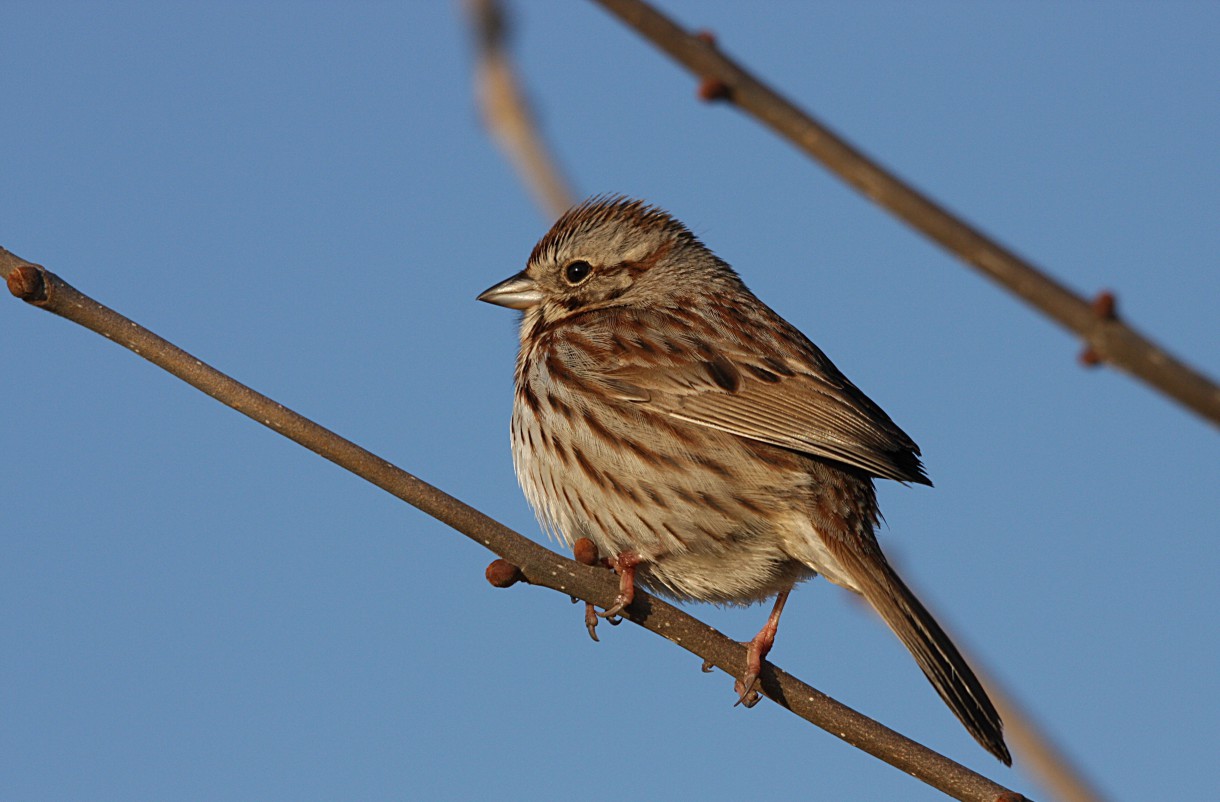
[(1043, 759), (1107, 338), (507, 113), (538, 565)]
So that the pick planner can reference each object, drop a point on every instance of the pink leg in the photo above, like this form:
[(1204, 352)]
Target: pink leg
[(756, 650), (624, 564), (584, 551)]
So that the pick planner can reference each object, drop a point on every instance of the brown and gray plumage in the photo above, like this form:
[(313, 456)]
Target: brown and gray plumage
[(668, 415)]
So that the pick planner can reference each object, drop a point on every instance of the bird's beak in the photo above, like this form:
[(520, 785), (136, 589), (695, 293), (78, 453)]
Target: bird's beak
[(517, 292)]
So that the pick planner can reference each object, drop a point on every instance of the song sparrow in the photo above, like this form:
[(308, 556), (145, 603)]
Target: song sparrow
[(670, 416)]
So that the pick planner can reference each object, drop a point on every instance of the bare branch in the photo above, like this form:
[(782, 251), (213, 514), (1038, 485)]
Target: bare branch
[(507, 113), (537, 565), (1040, 755), (1107, 338)]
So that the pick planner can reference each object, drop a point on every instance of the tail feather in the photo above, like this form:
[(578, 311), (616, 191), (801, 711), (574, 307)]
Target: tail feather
[(936, 655)]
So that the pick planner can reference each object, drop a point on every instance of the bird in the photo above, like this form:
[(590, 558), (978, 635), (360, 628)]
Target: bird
[(664, 412)]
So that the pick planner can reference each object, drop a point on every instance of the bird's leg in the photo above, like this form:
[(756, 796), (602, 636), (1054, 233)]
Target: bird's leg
[(624, 564), (756, 650), (584, 551)]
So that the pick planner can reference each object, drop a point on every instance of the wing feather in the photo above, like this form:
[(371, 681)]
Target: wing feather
[(799, 402)]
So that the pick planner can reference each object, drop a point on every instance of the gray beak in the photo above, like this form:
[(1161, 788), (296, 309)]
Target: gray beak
[(517, 292)]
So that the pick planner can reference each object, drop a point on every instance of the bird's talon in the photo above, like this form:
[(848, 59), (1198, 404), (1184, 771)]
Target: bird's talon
[(626, 590), (747, 696), (624, 565), (591, 621), (615, 610)]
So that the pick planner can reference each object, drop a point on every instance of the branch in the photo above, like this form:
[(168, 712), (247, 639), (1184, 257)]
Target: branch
[(537, 565), (1040, 755), (507, 114), (1107, 338), (1097, 323)]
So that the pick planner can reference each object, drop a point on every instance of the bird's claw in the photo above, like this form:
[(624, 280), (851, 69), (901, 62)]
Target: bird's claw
[(591, 621), (624, 565), (757, 650), (747, 695), (613, 612)]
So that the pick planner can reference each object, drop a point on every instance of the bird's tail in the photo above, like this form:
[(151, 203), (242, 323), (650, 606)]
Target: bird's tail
[(940, 660)]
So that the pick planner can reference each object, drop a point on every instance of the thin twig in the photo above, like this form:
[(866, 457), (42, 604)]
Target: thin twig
[(1107, 338), (539, 566), (1041, 757), (507, 113)]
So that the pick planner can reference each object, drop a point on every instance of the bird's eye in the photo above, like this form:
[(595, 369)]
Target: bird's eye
[(577, 272)]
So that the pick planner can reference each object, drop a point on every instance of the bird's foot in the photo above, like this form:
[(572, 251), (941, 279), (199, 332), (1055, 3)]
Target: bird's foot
[(756, 650), (747, 694), (584, 551), (624, 564)]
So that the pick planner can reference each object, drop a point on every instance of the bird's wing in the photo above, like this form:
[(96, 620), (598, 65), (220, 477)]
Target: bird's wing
[(794, 398)]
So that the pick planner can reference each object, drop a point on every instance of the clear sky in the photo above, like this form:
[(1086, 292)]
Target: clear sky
[(300, 193)]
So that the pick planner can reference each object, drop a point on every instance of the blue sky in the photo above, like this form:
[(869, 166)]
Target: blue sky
[(301, 194)]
